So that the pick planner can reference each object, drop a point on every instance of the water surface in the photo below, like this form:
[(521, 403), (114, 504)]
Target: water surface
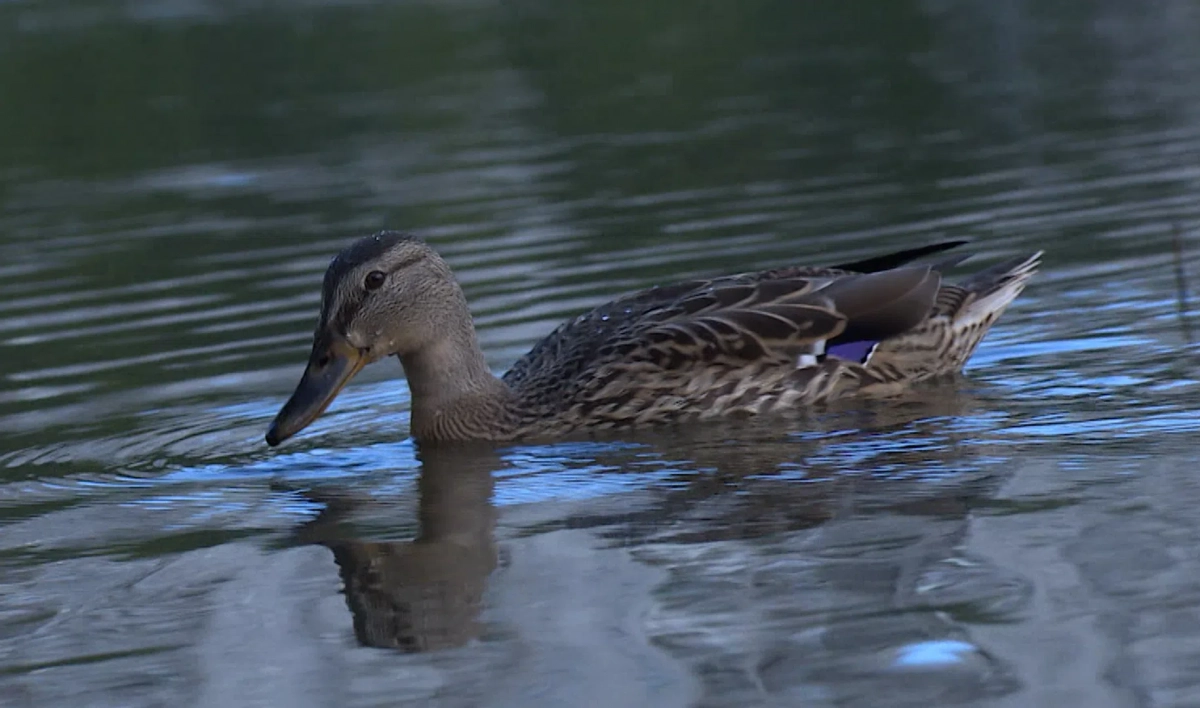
[(174, 178)]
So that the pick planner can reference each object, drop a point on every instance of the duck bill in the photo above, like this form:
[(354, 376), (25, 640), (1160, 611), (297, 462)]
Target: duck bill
[(331, 365)]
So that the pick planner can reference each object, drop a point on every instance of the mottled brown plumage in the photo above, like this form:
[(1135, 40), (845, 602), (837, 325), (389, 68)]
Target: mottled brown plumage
[(770, 341)]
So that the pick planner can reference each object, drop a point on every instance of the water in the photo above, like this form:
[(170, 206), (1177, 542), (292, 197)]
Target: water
[(174, 177)]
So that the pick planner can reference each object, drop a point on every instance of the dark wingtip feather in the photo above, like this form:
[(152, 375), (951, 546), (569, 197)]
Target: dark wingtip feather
[(888, 261)]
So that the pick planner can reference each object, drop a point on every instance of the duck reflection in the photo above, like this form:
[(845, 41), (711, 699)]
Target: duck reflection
[(424, 594), (753, 480), (870, 482)]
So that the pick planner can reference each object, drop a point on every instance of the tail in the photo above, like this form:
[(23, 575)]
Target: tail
[(985, 295), (971, 307), (961, 316)]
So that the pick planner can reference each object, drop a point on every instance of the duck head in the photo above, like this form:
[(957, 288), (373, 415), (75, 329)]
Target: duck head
[(385, 294)]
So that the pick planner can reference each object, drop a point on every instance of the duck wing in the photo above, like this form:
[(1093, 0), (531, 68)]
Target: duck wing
[(777, 315), (780, 321)]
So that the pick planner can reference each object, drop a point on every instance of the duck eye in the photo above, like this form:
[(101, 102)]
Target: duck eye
[(374, 280)]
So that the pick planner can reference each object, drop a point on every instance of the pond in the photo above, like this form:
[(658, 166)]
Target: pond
[(175, 177)]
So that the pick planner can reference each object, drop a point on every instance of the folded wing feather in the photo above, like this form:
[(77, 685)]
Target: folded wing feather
[(740, 323)]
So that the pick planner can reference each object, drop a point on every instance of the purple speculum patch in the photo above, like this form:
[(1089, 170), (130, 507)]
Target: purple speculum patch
[(852, 351)]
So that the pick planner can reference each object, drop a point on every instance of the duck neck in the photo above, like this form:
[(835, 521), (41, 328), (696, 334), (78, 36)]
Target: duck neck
[(454, 394)]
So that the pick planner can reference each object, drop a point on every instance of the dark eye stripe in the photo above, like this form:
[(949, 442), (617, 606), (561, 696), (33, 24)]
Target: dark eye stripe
[(376, 278), (353, 300), (409, 261)]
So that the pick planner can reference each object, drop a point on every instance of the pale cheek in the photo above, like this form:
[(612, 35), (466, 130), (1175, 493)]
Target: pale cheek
[(376, 340), (357, 339)]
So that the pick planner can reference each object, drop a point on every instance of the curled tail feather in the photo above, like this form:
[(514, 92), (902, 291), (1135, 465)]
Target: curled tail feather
[(961, 316), (989, 293)]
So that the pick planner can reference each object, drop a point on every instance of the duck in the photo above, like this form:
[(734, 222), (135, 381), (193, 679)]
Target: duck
[(774, 341)]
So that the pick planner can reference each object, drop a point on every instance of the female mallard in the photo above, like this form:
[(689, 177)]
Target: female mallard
[(741, 344)]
